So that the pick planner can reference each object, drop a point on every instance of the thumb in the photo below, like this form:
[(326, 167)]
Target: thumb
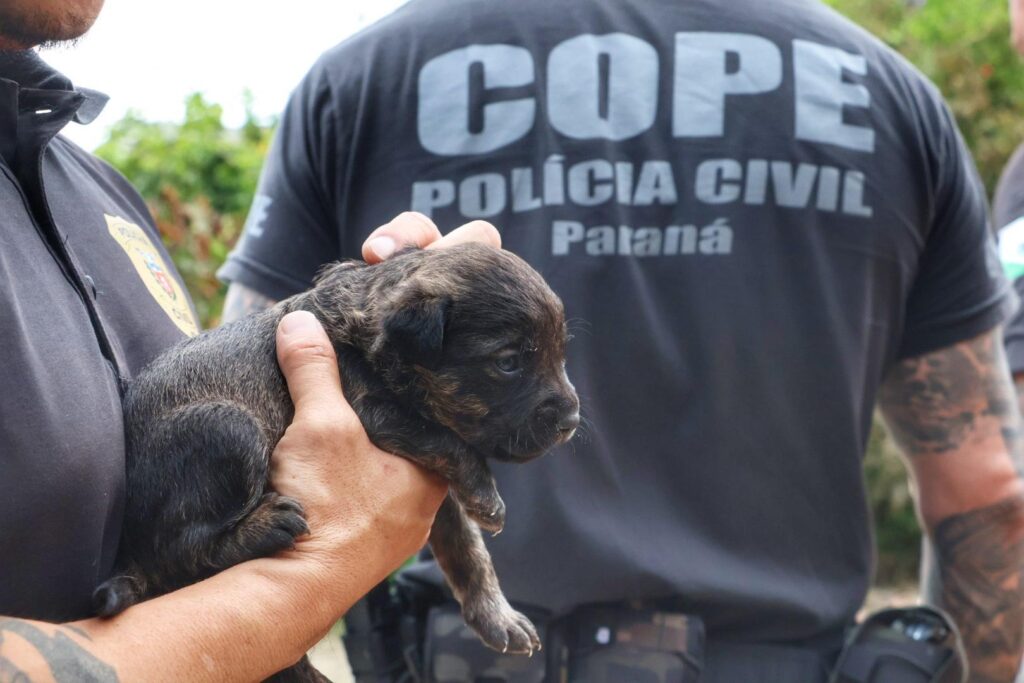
[(308, 361), (409, 229)]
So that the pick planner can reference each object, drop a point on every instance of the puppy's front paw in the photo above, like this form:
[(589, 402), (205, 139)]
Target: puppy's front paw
[(502, 628), (487, 509)]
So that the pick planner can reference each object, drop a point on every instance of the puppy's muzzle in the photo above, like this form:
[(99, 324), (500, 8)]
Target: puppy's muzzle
[(567, 425), (559, 417)]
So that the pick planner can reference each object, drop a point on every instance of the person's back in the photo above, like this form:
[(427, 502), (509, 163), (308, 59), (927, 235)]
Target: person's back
[(752, 209)]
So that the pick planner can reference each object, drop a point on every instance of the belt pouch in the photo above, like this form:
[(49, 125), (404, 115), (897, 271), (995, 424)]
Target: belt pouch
[(613, 645), (455, 654)]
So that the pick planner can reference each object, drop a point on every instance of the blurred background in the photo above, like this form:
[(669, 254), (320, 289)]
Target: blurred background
[(205, 80)]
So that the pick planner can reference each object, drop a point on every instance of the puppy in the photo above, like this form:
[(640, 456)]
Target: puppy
[(449, 357)]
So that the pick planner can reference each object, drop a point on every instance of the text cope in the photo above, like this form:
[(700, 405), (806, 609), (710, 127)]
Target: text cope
[(606, 87)]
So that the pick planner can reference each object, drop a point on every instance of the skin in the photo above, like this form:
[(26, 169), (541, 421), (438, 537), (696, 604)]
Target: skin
[(1017, 24), (367, 511), (954, 414), (409, 229), (28, 23), (1018, 383)]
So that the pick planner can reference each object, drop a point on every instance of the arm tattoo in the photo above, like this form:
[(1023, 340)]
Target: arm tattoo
[(947, 402), (242, 301), (68, 661), (981, 585), (938, 402)]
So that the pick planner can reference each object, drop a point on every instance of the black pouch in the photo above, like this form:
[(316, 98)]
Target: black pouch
[(455, 654), (916, 645), (617, 644)]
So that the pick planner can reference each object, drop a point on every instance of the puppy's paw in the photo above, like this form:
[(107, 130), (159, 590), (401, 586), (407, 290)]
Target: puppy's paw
[(502, 628), (285, 517), (486, 509), (273, 526), (117, 594)]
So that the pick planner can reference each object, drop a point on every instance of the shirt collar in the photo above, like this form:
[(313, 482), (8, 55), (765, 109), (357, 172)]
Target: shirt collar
[(28, 85)]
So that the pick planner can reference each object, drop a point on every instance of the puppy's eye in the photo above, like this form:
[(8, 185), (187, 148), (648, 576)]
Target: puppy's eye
[(510, 363)]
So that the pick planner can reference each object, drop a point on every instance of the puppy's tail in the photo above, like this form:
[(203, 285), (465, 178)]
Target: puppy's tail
[(117, 594)]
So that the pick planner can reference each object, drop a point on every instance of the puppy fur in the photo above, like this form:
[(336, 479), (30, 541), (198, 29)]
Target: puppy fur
[(448, 356)]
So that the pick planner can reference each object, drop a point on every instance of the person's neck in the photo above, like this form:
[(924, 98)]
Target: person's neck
[(13, 45)]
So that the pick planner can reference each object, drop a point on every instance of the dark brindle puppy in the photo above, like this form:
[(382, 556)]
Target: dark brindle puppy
[(448, 356)]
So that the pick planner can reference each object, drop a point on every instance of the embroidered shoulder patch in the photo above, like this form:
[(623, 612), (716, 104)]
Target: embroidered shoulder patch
[(154, 272)]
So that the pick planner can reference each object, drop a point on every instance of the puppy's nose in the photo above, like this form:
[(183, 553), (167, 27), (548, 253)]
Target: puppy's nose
[(569, 423)]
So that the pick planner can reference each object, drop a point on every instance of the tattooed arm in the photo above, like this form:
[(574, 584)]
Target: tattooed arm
[(367, 512), (242, 301), (239, 626), (954, 414)]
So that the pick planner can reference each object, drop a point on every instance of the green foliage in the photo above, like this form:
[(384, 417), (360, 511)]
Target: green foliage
[(198, 178), (897, 534), (964, 47)]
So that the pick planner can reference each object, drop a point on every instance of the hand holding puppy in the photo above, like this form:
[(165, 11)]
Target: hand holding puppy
[(270, 435), (368, 506)]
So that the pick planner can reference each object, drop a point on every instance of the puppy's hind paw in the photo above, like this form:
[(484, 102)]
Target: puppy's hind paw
[(271, 527), (284, 520), (116, 595), (506, 631)]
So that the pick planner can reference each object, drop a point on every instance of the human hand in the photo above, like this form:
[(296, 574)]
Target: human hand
[(412, 229), (367, 510)]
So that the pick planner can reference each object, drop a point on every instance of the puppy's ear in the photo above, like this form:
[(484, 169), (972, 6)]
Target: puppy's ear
[(416, 331)]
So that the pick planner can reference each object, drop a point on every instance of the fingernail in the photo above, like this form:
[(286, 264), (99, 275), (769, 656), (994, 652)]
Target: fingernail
[(383, 247), (299, 322)]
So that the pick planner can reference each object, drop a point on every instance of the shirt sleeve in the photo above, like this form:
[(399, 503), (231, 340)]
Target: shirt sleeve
[(292, 227), (959, 290)]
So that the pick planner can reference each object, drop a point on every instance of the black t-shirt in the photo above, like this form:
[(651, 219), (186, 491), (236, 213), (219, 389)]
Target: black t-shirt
[(1008, 216), (750, 209), (87, 297)]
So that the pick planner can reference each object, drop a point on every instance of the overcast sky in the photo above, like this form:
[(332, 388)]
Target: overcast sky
[(149, 55)]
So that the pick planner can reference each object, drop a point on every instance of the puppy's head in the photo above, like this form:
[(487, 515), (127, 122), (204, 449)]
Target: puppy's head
[(480, 338)]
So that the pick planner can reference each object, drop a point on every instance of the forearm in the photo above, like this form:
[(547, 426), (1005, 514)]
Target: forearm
[(241, 625), (242, 301), (954, 414), (979, 580)]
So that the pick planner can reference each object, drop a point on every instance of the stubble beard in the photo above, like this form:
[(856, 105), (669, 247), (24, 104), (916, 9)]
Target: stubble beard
[(31, 23)]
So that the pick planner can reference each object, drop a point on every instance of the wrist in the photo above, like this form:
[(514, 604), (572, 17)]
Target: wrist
[(334, 569)]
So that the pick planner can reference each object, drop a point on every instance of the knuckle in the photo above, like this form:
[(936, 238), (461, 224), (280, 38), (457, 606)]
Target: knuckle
[(307, 350), (337, 427), (319, 426), (418, 220), (486, 232), (350, 425)]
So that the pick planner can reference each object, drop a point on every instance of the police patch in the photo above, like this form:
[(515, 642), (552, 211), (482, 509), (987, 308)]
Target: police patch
[(154, 272)]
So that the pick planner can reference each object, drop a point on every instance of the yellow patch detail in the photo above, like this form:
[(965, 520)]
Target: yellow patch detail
[(154, 272)]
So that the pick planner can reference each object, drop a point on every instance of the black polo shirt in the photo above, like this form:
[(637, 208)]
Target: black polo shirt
[(751, 210), (87, 297)]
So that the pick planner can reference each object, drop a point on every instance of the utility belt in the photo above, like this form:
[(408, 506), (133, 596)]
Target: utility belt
[(637, 644)]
